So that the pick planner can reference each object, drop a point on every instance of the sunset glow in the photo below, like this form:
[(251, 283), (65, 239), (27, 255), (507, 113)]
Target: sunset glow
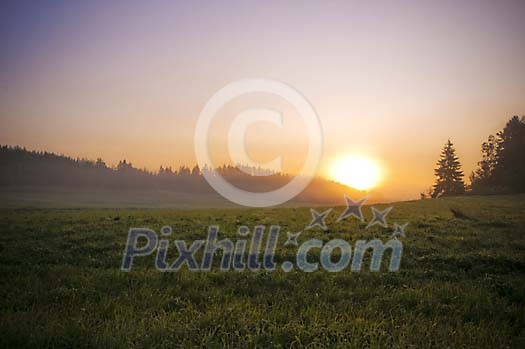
[(116, 81), (356, 171)]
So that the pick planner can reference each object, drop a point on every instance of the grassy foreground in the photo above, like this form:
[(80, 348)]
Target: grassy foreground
[(461, 282)]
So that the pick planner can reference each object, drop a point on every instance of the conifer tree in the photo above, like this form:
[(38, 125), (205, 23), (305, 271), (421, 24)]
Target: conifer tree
[(510, 170), (449, 175), (483, 177), (502, 167)]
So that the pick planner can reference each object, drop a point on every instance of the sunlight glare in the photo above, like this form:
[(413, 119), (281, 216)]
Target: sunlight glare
[(356, 171)]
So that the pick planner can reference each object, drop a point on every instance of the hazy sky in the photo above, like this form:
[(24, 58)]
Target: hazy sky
[(393, 80)]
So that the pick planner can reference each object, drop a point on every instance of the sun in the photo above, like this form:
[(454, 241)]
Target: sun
[(356, 171)]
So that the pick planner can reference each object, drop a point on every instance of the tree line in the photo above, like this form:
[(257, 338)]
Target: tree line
[(501, 169), (24, 168), (21, 167)]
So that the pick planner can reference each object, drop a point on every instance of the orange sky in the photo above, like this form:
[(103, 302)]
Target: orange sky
[(392, 80)]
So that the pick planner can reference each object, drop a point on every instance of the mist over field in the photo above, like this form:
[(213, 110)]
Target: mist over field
[(262, 174), (47, 180)]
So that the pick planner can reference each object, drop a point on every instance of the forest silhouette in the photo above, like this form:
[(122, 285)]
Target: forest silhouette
[(22, 168), (501, 169)]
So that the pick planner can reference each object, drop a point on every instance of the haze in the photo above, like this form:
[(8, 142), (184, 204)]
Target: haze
[(390, 80)]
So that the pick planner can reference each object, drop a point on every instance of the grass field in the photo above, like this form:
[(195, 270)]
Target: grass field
[(461, 282)]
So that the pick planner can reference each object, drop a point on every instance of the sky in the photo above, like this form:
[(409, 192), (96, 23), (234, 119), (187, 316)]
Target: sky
[(390, 80)]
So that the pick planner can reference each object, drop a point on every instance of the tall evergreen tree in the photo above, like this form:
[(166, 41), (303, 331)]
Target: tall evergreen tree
[(483, 178), (510, 171), (449, 175), (502, 167)]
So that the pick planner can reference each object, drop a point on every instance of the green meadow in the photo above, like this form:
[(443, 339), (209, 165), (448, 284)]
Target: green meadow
[(461, 282)]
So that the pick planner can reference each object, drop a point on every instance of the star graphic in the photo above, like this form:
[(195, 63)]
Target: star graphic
[(353, 208), (318, 219), (292, 239), (379, 217), (399, 230)]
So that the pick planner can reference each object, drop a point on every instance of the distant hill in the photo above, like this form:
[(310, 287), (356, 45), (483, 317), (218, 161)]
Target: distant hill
[(30, 178)]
